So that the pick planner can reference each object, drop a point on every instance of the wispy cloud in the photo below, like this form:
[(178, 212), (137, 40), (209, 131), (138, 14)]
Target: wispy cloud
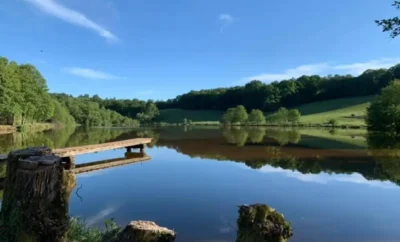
[(90, 73), (71, 16), (325, 178), (323, 69), (101, 215), (226, 20), (358, 68)]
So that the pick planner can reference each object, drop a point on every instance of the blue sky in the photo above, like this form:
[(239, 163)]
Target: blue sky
[(158, 49)]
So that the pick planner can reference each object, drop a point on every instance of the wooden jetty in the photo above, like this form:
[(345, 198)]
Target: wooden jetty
[(68, 154), (80, 150)]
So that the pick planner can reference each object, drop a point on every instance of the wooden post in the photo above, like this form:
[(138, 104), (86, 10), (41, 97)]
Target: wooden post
[(36, 194)]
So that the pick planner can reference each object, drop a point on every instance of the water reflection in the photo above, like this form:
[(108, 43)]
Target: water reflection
[(186, 194), (289, 149)]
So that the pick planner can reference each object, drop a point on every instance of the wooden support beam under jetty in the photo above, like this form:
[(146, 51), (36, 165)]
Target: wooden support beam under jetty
[(80, 150), (99, 165)]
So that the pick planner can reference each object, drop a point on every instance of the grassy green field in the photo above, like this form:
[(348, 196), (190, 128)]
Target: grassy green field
[(347, 111), (197, 116)]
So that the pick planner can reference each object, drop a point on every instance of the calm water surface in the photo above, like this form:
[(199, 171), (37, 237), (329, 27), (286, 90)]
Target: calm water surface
[(331, 185)]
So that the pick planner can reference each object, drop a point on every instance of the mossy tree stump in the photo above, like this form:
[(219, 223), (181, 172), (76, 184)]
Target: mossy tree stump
[(36, 194), (143, 231), (261, 223)]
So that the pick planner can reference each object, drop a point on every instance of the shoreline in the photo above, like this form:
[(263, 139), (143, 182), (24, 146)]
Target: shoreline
[(342, 126)]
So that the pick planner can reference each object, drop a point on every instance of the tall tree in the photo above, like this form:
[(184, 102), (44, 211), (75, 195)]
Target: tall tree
[(384, 113), (256, 116), (240, 115), (391, 25)]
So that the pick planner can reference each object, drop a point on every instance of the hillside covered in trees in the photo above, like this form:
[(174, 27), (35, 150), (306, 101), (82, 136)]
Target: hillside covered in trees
[(25, 99), (286, 93)]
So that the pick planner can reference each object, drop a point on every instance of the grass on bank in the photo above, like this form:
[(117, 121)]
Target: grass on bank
[(196, 116), (346, 111)]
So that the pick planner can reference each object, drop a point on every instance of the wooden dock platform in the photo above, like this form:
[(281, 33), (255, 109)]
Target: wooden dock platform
[(80, 150)]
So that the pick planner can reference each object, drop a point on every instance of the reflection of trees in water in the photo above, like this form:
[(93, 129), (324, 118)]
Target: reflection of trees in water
[(380, 165), (149, 133), (255, 135), (235, 135), (285, 136), (385, 148)]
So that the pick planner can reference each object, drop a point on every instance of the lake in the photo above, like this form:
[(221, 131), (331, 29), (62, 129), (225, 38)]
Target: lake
[(332, 185)]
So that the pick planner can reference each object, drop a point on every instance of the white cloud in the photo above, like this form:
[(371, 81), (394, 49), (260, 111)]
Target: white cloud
[(289, 73), (226, 20), (325, 178), (89, 73), (358, 68), (323, 69), (72, 16)]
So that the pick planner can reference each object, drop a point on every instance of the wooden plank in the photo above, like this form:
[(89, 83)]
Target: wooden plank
[(99, 165), (79, 150)]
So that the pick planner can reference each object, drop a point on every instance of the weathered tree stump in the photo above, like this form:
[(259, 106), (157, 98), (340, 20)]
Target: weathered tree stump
[(145, 231), (261, 223), (36, 194)]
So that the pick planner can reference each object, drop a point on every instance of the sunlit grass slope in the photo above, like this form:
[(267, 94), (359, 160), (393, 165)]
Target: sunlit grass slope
[(347, 111)]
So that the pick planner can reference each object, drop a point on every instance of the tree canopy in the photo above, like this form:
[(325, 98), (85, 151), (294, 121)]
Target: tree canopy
[(391, 25), (25, 98), (256, 116), (90, 113), (287, 93), (384, 112)]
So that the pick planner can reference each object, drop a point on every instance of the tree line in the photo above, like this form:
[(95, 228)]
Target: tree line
[(239, 115), (144, 111), (89, 113), (25, 99), (286, 93)]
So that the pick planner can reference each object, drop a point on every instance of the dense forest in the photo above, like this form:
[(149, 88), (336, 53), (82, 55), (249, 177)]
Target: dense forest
[(286, 93), (143, 111), (24, 99), (258, 95), (87, 112)]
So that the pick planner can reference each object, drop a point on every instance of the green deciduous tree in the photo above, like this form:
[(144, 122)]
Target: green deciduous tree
[(391, 25), (256, 116), (384, 112), (240, 115), (149, 113), (293, 116), (227, 118)]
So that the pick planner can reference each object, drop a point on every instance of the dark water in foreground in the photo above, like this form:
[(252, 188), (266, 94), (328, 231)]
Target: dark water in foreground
[(332, 186)]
